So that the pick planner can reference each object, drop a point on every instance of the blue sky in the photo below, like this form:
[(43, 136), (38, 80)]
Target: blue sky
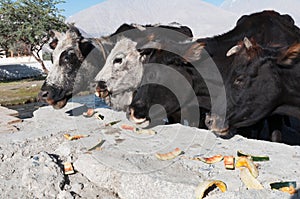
[(72, 6)]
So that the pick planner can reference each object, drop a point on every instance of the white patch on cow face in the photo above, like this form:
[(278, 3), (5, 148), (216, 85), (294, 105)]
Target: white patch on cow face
[(123, 69), (55, 76)]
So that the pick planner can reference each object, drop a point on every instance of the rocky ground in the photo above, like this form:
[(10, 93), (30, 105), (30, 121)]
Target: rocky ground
[(125, 165)]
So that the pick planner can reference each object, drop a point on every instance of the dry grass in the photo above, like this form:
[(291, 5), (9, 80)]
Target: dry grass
[(19, 92)]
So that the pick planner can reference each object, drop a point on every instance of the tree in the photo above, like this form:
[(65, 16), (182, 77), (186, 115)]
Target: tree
[(29, 21)]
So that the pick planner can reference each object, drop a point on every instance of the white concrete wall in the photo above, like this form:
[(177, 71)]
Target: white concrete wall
[(17, 60)]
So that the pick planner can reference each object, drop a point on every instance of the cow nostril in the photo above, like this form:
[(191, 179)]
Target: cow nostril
[(130, 112), (44, 94), (209, 122)]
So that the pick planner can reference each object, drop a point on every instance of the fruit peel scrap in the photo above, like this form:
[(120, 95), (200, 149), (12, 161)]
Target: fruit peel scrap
[(205, 185), (74, 137), (210, 160), (229, 162), (138, 130), (249, 180), (247, 162), (99, 116), (68, 168), (97, 146), (169, 155), (253, 157), (288, 187), (89, 113), (112, 123)]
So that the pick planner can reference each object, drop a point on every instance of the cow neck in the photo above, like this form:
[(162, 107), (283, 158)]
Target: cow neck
[(290, 80)]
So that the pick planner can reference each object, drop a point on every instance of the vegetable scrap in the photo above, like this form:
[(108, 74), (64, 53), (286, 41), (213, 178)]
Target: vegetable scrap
[(90, 112), (253, 157), (248, 179), (74, 137), (247, 162), (206, 185), (170, 155), (68, 168), (113, 123), (288, 187), (97, 146)]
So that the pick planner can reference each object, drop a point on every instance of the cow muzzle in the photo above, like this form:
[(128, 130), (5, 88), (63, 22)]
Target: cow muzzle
[(45, 96), (217, 125), (102, 90), (143, 122)]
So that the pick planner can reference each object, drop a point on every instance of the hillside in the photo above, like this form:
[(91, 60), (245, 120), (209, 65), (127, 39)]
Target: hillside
[(204, 19)]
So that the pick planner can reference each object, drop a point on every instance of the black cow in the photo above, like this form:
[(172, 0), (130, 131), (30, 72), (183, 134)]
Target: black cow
[(266, 85), (177, 94), (257, 26), (77, 60)]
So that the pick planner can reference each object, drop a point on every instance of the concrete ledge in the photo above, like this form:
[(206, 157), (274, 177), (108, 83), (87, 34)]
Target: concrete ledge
[(8, 119), (126, 165)]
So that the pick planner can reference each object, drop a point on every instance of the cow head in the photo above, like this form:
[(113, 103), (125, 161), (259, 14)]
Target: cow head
[(174, 92), (123, 70), (122, 73), (76, 61), (153, 104), (166, 89), (258, 80)]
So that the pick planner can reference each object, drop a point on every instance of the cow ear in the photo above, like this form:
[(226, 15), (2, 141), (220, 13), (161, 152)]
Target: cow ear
[(85, 47), (73, 33), (193, 53), (147, 49), (56, 36), (53, 43), (145, 53), (290, 57)]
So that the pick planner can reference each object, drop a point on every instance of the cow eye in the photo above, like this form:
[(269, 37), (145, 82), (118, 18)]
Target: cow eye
[(67, 58), (239, 81), (117, 61)]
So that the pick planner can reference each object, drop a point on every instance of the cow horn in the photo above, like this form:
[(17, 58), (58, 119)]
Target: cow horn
[(233, 50), (247, 43)]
